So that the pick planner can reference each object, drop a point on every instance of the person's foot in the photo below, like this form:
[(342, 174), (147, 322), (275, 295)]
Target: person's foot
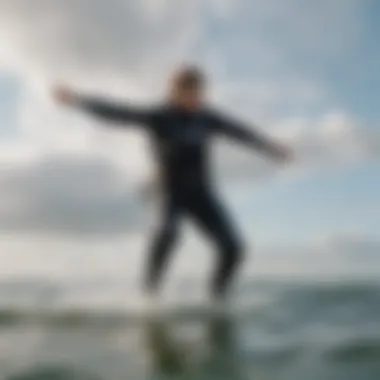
[(220, 305), (151, 302)]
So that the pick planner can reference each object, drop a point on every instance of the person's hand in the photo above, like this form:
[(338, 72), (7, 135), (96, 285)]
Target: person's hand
[(64, 96), (281, 153)]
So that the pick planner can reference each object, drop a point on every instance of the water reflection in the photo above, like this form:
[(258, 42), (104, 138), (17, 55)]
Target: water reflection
[(214, 357), (54, 373)]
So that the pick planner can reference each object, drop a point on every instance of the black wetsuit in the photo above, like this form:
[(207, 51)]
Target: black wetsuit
[(181, 143)]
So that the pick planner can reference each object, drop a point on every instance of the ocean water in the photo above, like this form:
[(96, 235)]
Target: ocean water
[(306, 328)]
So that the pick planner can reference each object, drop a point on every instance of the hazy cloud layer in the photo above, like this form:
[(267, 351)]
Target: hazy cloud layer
[(65, 173), (65, 194)]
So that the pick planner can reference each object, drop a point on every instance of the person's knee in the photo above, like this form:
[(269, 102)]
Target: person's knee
[(167, 234)]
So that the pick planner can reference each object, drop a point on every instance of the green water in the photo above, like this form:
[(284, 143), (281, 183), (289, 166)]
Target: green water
[(310, 331)]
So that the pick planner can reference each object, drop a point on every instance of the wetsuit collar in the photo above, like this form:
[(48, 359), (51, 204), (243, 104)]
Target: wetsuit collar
[(184, 112)]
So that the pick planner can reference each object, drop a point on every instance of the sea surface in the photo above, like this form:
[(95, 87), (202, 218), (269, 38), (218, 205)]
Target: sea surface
[(296, 329)]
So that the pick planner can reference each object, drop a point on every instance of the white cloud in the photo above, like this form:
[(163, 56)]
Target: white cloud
[(115, 47), (111, 41), (354, 247), (83, 191), (122, 48), (68, 195), (334, 139)]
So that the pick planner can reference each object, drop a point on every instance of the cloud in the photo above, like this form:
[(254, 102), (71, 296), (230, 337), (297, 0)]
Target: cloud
[(64, 173), (338, 257), (117, 47), (333, 140), (114, 41), (124, 46), (357, 248), (85, 193), (335, 137), (68, 195)]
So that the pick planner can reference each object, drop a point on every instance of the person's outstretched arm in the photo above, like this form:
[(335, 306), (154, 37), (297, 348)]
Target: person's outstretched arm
[(238, 131), (103, 109)]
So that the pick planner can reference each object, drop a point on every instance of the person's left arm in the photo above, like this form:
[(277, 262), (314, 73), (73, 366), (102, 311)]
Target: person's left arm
[(241, 132)]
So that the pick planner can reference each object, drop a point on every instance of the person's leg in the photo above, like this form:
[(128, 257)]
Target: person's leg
[(162, 244), (209, 214)]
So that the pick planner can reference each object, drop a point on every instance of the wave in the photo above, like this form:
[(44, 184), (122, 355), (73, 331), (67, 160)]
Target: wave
[(301, 302), (360, 349), (49, 373), (68, 318), (111, 318)]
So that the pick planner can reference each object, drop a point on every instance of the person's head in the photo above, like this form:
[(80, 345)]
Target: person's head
[(187, 88)]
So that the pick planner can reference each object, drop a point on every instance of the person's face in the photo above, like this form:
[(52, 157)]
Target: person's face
[(188, 98)]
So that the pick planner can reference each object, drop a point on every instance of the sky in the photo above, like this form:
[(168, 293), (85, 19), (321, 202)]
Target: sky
[(305, 72)]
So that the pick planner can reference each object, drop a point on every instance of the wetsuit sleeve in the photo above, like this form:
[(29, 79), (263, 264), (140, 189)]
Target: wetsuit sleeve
[(116, 112), (238, 131)]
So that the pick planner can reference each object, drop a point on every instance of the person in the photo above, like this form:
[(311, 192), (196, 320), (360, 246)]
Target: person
[(181, 129)]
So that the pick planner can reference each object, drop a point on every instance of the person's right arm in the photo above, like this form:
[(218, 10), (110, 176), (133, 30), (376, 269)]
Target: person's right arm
[(106, 110)]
